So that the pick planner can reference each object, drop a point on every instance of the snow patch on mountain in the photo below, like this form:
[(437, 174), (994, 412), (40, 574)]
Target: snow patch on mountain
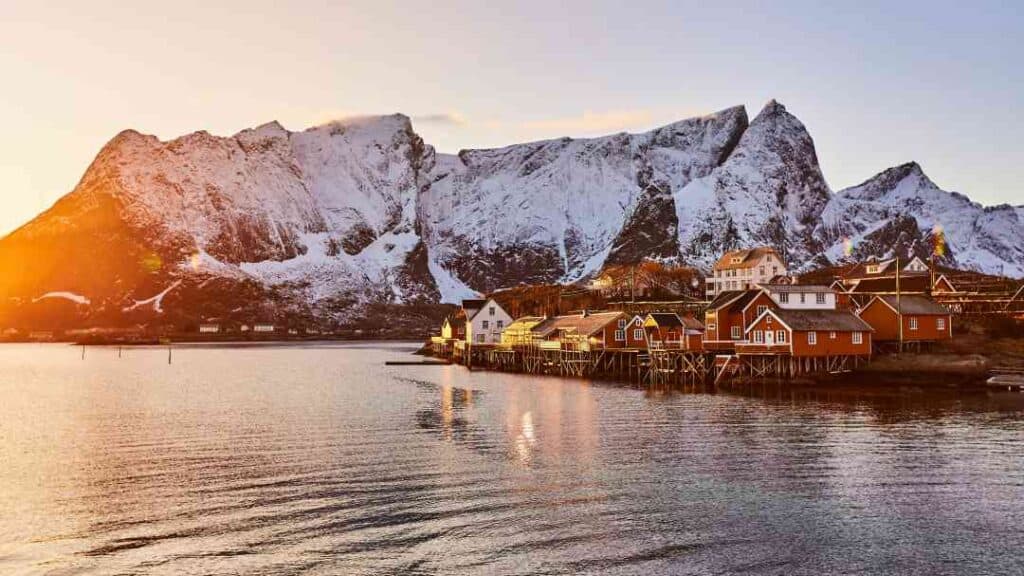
[(76, 298)]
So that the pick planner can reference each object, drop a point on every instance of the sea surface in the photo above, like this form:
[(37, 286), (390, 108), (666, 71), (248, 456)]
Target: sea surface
[(319, 459)]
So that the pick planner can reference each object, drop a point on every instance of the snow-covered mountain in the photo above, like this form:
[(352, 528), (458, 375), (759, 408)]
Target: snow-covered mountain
[(898, 211), (326, 222)]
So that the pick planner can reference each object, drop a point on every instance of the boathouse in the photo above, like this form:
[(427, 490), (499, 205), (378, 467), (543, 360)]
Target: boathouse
[(807, 333), (585, 330), (921, 318), (520, 331), (485, 324), (669, 330)]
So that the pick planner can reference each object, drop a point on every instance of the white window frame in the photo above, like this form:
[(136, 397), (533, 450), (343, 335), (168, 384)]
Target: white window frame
[(620, 335), (812, 338), (784, 297), (500, 324), (940, 323), (758, 336), (622, 323), (638, 334), (912, 321), (486, 325), (761, 309), (780, 336), (491, 311), (803, 298), (858, 337), (820, 298), (734, 332)]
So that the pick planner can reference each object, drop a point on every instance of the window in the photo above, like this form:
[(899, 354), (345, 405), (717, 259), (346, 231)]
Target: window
[(761, 309), (758, 336), (858, 338), (761, 270), (784, 297), (780, 336), (711, 327), (491, 311), (913, 323), (622, 323), (831, 335), (735, 332), (501, 324), (620, 335), (775, 270), (486, 324), (480, 338), (940, 323), (803, 297), (638, 334), (812, 338), (873, 269), (820, 297)]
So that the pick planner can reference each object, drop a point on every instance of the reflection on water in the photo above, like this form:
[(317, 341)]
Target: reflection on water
[(298, 459)]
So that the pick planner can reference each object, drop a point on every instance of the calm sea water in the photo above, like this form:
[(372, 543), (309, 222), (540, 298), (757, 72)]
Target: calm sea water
[(321, 460)]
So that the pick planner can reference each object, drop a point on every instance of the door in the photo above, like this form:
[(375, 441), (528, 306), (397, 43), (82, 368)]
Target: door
[(769, 337)]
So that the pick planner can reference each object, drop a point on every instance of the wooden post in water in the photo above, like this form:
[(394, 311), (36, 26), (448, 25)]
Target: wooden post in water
[(83, 351), (168, 353), (118, 351)]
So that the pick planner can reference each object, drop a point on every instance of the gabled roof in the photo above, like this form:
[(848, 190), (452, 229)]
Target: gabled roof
[(740, 303), (747, 258), (586, 325), (692, 323), (908, 283), (666, 319), (472, 305), (912, 304), (806, 288), (725, 298), (817, 320)]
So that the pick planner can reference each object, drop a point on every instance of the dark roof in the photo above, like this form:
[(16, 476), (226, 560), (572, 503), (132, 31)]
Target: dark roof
[(692, 323), (824, 320), (908, 283), (747, 297), (585, 325), (808, 288), (666, 319), (914, 304), (724, 298)]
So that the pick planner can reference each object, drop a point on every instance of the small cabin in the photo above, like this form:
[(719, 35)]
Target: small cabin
[(922, 319), (808, 333), (669, 330)]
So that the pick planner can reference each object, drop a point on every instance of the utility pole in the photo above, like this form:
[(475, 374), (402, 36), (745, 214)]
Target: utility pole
[(899, 306)]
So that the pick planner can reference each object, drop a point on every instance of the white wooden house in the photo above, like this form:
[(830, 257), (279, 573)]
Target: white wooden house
[(486, 324)]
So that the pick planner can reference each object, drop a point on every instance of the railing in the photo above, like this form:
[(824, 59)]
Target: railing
[(761, 348)]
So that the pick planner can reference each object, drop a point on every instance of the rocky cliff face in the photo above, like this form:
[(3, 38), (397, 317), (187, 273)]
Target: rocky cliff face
[(326, 222)]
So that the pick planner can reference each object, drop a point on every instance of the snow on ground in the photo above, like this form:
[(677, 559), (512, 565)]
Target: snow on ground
[(156, 301), (76, 298), (453, 290)]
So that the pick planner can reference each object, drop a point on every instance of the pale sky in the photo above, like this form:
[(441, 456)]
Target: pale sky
[(877, 85)]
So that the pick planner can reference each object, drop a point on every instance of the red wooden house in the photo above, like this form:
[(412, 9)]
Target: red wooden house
[(807, 333), (923, 320), (669, 330)]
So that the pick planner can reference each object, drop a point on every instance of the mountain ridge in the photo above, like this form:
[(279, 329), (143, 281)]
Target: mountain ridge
[(333, 219)]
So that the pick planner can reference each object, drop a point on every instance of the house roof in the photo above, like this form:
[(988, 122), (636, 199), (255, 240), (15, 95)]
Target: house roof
[(527, 322), (806, 288), (472, 305), (823, 320), (586, 325), (742, 302), (692, 323), (914, 304), (666, 319), (724, 298), (748, 258), (883, 285)]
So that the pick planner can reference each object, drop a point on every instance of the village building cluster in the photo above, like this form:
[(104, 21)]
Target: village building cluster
[(756, 315)]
